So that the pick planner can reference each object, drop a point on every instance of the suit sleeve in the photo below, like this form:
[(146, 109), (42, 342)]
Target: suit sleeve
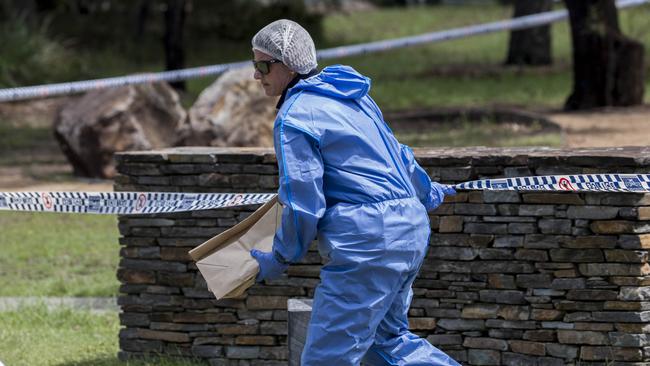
[(429, 193), (300, 192)]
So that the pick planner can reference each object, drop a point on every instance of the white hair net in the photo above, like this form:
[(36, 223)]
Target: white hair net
[(287, 41)]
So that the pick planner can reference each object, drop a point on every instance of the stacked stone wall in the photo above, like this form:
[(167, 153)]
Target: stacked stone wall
[(510, 278)]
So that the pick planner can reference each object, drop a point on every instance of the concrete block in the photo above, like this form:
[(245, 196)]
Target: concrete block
[(299, 315)]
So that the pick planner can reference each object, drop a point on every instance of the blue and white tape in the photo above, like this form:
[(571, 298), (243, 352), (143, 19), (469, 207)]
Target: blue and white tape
[(125, 203), (48, 90), (637, 183)]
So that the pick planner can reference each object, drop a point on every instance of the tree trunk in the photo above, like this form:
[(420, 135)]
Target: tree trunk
[(43, 6), (607, 66), (142, 15), (174, 52), (530, 46)]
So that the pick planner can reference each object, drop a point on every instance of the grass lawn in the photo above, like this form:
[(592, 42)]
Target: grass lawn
[(45, 254), (24, 145), (420, 76), (62, 337), (483, 133)]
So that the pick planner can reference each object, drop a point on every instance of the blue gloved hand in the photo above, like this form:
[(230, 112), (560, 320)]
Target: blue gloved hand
[(270, 267), (448, 190), (437, 195)]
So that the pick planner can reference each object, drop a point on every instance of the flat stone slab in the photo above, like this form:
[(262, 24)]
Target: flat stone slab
[(299, 315)]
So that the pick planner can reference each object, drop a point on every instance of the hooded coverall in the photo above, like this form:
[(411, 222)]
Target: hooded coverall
[(345, 179)]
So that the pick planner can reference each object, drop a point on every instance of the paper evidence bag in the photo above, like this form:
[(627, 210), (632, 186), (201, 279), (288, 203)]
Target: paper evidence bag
[(225, 261)]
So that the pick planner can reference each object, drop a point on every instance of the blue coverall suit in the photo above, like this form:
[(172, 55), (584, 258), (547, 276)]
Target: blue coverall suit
[(345, 179)]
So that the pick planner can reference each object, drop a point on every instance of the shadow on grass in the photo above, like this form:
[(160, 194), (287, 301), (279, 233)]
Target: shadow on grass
[(111, 360), (99, 361)]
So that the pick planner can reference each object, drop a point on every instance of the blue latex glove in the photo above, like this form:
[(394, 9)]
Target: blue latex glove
[(448, 190), (270, 267)]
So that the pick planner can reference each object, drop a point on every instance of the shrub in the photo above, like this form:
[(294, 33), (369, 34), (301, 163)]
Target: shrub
[(30, 56), (251, 16)]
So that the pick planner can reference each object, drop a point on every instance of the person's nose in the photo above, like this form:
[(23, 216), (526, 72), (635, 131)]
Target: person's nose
[(257, 75)]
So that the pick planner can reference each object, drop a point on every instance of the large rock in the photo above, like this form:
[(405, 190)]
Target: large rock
[(233, 111), (91, 129)]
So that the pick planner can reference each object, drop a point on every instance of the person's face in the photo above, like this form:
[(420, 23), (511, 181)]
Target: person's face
[(278, 77)]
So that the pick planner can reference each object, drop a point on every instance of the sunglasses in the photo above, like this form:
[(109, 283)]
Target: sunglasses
[(264, 67)]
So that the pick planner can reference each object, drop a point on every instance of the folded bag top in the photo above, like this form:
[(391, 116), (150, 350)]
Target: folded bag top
[(225, 261)]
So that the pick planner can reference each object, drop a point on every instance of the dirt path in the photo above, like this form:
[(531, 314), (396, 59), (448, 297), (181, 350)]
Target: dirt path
[(606, 127), (51, 177)]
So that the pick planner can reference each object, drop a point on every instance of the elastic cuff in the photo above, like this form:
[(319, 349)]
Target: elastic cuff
[(280, 258)]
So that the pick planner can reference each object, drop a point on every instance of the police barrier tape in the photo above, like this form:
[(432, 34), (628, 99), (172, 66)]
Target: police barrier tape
[(637, 183), (48, 90), (126, 203)]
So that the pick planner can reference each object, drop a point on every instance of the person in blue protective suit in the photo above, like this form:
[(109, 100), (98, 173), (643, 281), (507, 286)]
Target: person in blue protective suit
[(346, 180)]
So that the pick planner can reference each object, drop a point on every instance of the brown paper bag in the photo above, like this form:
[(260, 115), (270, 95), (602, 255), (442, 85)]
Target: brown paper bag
[(225, 261)]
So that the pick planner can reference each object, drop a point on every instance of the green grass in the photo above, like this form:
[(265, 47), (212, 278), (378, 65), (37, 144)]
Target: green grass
[(28, 145), (490, 48), (510, 87), (483, 133), (21, 138), (63, 337), (45, 254), (415, 76)]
